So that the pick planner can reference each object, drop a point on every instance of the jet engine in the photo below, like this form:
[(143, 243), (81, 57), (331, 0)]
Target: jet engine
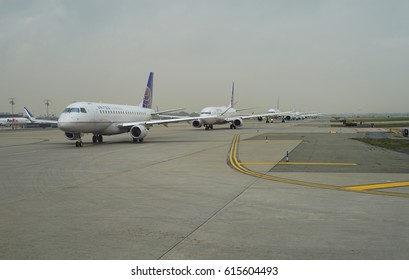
[(238, 122), (138, 132), (259, 119), (197, 123), (288, 118), (72, 136)]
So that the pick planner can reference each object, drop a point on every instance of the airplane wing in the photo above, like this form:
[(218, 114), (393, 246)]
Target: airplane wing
[(171, 117), (167, 111), (163, 122), (311, 115), (260, 116)]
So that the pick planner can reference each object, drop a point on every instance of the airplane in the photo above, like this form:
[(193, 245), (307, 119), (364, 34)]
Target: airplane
[(210, 116), (278, 114), (38, 121), (289, 115), (13, 122), (100, 119), (299, 116)]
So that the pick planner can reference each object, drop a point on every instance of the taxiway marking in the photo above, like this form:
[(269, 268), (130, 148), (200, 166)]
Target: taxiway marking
[(299, 163), (235, 163), (377, 186)]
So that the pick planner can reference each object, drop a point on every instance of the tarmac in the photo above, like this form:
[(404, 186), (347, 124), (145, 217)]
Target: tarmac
[(187, 193)]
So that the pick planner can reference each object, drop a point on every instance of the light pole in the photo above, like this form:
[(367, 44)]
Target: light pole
[(47, 103), (12, 104)]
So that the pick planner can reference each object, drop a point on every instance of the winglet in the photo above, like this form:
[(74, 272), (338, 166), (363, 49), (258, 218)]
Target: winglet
[(147, 98)]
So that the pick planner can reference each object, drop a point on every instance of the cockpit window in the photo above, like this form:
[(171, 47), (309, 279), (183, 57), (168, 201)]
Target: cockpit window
[(71, 110), (83, 110)]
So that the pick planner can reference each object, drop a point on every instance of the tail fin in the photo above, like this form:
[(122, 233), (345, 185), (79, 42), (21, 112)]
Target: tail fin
[(147, 98), (30, 116), (231, 105)]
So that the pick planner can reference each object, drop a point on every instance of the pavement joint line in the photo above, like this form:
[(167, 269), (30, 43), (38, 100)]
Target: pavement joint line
[(235, 163)]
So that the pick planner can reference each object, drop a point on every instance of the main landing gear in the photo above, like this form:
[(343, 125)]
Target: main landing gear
[(78, 144), (208, 126), (232, 126), (97, 139)]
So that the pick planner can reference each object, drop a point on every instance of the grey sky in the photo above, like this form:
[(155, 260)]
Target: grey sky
[(327, 56)]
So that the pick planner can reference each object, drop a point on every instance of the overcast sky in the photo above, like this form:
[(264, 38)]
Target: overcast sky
[(326, 56)]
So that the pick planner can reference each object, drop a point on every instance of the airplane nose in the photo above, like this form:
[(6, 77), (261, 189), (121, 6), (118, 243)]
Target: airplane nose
[(65, 123)]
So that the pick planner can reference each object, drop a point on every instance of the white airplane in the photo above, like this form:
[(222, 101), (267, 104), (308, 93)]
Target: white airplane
[(38, 121), (13, 122), (101, 119), (278, 114), (291, 115), (210, 116)]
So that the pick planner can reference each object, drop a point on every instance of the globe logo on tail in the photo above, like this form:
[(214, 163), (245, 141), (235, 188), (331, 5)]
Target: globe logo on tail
[(147, 99)]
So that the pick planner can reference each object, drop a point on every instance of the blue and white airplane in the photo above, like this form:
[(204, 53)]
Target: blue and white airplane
[(100, 119), (38, 121)]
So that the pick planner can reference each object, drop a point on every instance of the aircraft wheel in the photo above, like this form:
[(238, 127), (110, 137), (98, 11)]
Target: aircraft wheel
[(100, 139), (94, 139)]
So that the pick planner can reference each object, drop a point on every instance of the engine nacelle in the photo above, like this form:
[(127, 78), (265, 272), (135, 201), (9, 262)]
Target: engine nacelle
[(259, 119), (288, 118), (197, 123), (72, 136), (138, 132), (238, 122)]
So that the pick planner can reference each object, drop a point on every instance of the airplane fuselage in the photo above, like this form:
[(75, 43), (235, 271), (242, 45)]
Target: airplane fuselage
[(14, 121), (217, 115)]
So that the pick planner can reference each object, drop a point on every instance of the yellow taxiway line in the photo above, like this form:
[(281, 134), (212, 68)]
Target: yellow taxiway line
[(377, 186), (235, 163), (299, 163)]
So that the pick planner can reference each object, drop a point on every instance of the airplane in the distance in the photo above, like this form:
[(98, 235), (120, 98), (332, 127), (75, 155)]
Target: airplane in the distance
[(38, 121), (210, 116), (14, 121), (100, 119), (278, 114), (292, 115)]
